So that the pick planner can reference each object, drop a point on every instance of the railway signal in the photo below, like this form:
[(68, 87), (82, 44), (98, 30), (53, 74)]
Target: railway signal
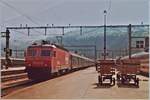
[(8, 52), (105, 54), (3, 34)]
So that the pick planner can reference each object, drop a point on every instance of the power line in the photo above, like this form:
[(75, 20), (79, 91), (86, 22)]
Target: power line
[(109, 7), (43, 11), (21, 13), (18, 11)]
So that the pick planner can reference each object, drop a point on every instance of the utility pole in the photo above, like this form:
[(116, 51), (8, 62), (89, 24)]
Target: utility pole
[(95, 56), (112, 54), (129, 34), (80, 30), (105, 12), (16, 52), (63, 31), (7, 50), (146, 44), (95, 52)]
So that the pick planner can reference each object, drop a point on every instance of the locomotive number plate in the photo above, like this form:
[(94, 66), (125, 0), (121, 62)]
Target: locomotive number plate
[(37, 63)]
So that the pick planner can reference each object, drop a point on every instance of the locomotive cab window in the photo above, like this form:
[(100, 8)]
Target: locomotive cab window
[(31, 52), (54, 53), (45, 53)]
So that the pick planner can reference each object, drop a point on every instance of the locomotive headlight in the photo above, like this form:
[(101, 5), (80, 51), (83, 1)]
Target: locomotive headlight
[(29, 64), (45, 64)]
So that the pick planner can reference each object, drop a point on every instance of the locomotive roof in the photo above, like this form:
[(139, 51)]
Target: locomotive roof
[(76, 55), (61, 47), (50, 45)]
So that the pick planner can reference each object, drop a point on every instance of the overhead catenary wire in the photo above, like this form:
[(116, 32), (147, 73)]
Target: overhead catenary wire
[(21, 13), (48, 8), (19, 31), (109, 6)]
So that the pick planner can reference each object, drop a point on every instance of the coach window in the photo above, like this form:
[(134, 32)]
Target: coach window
[(45, 53)]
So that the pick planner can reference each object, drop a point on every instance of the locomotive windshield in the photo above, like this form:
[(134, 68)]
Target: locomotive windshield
[(32, 52), (39, 52), (45, 53)]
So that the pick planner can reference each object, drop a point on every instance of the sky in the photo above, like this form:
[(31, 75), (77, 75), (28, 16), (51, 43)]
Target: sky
[(74, 12)]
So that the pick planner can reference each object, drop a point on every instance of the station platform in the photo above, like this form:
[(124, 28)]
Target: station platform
[(81, 84), (12, 76), (13, 68)]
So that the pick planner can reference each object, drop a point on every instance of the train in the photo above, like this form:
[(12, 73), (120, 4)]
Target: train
[(45, 60), (143, 58)]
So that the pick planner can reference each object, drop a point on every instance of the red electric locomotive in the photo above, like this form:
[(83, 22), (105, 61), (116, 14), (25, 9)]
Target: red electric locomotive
[(46, 59)]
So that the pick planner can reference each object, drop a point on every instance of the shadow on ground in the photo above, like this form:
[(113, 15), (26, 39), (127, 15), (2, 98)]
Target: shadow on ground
[(127, 85), (104, 85)]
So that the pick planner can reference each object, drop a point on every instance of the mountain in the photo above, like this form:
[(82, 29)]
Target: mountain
[(117, 38)]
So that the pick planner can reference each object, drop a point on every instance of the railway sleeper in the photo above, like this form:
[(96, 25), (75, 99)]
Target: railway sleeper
[(13, 77), (10, 72)]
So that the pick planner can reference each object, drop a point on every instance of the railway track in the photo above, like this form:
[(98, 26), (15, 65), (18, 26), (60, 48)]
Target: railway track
[(12, 75), (22, 83), (11, 78)]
